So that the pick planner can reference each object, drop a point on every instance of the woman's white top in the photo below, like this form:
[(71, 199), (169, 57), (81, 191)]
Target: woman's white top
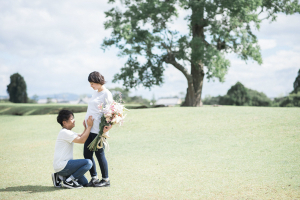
[(63, 149), (98, 97)]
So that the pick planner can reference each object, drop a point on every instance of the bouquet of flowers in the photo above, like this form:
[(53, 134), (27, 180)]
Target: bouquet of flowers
[(113, 113)]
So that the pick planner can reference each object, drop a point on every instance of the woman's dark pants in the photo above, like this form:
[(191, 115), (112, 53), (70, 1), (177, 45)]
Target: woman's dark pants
[(100, 157)]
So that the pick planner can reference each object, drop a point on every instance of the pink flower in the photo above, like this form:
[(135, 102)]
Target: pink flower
[(100, 106)]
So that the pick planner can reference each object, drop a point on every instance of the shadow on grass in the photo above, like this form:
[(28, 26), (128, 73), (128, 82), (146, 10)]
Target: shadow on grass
[(30, 189)]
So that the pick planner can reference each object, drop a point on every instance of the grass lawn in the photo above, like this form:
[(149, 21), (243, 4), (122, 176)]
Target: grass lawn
[(165, 153)]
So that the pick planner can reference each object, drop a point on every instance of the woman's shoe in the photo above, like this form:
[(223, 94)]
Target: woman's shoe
[(103, 183), (92, 182)]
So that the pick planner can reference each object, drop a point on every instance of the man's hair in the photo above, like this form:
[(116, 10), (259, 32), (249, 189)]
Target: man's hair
[(64, 115), (96, 77)]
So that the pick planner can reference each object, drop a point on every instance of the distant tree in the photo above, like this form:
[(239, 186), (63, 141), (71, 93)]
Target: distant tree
[(240, 95), (209, 100), (297, 83), (143, 33), (17, 89), (293, 99), (236, 95), (49, 100), (120, 93), (290, 101), (258, 98), (153, 100), (35, 98), (139, 100)]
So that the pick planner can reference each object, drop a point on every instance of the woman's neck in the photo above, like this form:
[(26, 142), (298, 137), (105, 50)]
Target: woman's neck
[(101, 89)]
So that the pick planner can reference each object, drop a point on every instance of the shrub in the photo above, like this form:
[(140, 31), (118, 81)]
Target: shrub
[(258, 98), (209, 100), (291, 100), (226, 100), (239, 95), (236, 95)]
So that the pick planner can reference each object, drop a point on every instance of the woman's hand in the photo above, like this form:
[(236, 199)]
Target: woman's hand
[(107, 128)]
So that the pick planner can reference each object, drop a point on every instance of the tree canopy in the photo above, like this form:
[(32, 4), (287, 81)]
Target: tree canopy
[(17, 89), (142, 32)]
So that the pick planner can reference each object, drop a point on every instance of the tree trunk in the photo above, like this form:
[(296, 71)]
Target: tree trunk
[(194, 90)]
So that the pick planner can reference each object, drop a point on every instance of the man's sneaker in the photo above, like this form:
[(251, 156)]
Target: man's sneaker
[(71, 184), (103, 183), (92, 182), (56, 180)]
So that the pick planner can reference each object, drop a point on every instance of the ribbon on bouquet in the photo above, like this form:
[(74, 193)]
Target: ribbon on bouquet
[(102, 142)]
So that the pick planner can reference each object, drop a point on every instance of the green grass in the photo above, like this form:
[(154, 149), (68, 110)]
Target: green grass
[(42, 109), (165, 153)]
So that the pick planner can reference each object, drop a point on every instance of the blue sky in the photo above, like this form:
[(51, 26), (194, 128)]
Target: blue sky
[(55, 45)]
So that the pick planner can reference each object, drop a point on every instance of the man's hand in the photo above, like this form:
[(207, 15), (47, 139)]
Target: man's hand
[(84, 125), (90, 121), (82, 137), (107, 128)]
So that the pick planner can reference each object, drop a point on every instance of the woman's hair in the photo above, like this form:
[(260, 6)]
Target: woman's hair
[(64, 115), (96, 77)]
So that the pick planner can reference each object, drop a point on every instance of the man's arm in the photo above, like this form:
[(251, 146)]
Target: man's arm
[(83, 130), (83, 137)]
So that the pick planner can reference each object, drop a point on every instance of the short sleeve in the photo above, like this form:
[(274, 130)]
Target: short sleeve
[(109, 98), (68, 135)]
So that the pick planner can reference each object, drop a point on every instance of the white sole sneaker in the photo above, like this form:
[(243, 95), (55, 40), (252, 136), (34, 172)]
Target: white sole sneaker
[(54, 181), (70, 187)]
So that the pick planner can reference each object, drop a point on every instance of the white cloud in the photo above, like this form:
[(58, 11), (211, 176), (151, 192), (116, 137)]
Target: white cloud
[(55, 45), (283, 30), (282, 59), (267, 44), (275, 76)]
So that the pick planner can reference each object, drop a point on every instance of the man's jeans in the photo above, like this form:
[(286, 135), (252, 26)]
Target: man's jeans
[(77, 168)]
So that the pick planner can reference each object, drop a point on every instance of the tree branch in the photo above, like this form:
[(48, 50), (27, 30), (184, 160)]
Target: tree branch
[(270, 14), (221, 44), (170, 59), (262, 9)]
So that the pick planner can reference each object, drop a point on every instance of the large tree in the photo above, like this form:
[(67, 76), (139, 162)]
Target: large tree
[(17, 89), (142, 32)]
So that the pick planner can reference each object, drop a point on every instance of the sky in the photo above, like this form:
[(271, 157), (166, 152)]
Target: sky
[(54, 45)]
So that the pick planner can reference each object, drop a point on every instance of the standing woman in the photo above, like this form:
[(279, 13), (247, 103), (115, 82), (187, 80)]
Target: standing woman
[(101, 95)]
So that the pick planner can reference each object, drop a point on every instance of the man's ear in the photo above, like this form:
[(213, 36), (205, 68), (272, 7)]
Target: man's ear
[(64, 123)]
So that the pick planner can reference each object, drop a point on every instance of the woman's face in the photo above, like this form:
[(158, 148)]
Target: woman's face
[(96, 86)]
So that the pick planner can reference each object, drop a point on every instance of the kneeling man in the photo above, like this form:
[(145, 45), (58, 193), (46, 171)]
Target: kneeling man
[(69, 172)]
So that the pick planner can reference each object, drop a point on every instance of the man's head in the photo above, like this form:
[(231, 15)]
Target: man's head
[(66, 119)]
